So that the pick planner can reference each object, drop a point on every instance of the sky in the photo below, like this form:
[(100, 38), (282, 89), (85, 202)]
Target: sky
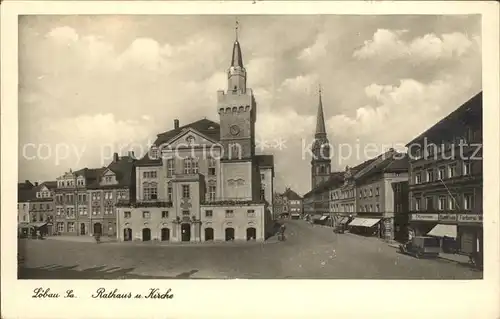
[(93, 85)]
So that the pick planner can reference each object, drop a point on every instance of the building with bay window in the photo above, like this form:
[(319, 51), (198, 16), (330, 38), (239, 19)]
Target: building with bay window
[(203, 181), (446, 183)]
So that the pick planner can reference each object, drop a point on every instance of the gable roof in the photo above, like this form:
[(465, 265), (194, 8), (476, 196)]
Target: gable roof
[(470, 111), (26, 185), (397, 162), (50, 184), (265, 160), (290, 194), (206, 127), (123, 170)]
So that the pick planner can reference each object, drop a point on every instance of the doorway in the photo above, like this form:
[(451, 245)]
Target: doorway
[(186, 232), (229, 234), (146, 234), (251, 233), (98, 228), (127, 234), (209, 234), (165, 234), (82, 229)]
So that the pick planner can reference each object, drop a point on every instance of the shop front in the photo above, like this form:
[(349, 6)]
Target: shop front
[(458, 233), (470, 234)]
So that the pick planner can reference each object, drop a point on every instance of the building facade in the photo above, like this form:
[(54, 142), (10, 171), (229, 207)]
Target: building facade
[(293, 203), (401, 207), (203, 181), (446, 178), (376, 193), (72, 202), (42, 212), (115, 183), (24, 196)]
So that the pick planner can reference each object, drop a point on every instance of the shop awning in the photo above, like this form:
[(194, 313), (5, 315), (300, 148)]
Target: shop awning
[(356, 222), (343, 220), (370, 222), (323, 218), (441, 230), (38, 225)]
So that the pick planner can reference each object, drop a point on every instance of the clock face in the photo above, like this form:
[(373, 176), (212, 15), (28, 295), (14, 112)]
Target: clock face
[(234, 129)]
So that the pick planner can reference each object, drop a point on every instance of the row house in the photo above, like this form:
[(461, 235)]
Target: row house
[(116, 184), (72, 201), (279, 205), (375, 194), (445, 184), (293, 203), (41, 207), (24, 196)]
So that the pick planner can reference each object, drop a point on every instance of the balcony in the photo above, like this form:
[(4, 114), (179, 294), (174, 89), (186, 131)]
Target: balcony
[(143, 204), (233, 202)]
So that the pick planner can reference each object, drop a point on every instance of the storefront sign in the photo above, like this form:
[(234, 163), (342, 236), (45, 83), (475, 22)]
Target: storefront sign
[(447, 217), (425, 217), (469, 218)]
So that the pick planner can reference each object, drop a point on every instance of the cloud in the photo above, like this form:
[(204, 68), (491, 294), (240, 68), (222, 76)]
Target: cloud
[(389, 45), (316, 51)]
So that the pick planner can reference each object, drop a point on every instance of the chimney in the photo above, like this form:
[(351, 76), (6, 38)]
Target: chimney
[(131, 154), (27, 181), (176, 124), (36, 183), (115, 158)]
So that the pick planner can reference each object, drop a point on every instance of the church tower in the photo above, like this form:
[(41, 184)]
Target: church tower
[(237, 113), (321, 162)]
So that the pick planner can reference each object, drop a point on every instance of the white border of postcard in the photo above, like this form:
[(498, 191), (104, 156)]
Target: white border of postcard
[(255, 298)]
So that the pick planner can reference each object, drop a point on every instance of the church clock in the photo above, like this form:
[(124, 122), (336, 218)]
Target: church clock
[(234, 129)]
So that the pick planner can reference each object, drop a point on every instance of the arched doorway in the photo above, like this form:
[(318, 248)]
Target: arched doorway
[(82, 229), (165, 234), (98, 228), (186, 232), (229, 234), (251, 233), (127, 234), (209, 234), (146, 234)]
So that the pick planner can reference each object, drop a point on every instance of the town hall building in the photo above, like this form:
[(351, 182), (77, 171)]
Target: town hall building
[(203, 181)]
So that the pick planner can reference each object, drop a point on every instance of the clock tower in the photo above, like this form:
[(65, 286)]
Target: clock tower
[(237, 113)]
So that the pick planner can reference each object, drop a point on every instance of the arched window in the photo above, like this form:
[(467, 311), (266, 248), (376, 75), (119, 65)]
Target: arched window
[(235, 109)]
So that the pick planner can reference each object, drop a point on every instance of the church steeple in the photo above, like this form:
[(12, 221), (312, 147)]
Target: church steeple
[(237, 76), (320, 119), (321, 162)]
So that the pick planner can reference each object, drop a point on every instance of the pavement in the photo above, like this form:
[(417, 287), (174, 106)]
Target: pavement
[(310, 252)]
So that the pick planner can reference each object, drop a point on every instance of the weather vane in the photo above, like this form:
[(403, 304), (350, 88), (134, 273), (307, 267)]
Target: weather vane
[(236, 28)]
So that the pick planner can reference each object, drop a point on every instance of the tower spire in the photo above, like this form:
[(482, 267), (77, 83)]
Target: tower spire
[(320, 118), (237, 59)]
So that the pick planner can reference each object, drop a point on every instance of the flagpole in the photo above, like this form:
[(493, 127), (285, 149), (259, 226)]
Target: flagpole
[(454, 200)]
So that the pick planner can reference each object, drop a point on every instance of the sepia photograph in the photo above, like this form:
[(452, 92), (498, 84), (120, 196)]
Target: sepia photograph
[(303, 159), (219, 147)]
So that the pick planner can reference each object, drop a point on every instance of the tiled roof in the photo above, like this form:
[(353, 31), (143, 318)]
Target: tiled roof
[(50, 184), (290, 194), (398, 162), (469, 112), (265, 160), (123, 169), (25, 195), (206, 127), (26, 185)]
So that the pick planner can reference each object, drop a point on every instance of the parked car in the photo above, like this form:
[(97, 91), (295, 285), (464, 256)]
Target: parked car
[(421, 246)]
